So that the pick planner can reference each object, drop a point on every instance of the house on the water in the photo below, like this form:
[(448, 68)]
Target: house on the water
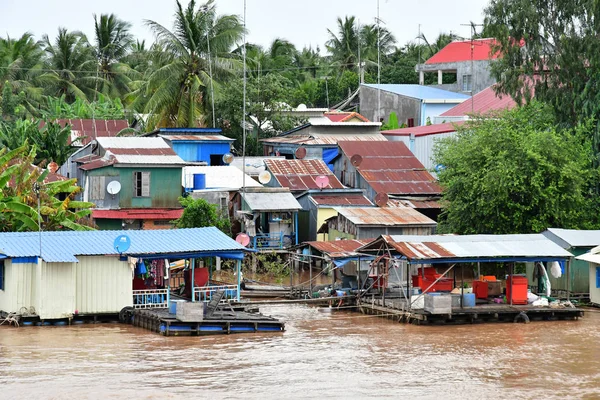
[(414, 105), (82, 274), (318, 138), (388, 170), (196, 145), (369, 222), (468, 60), (135, 182)]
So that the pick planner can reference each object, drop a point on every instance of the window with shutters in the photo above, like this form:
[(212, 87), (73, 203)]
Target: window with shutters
[(97, 187), (141, 184)]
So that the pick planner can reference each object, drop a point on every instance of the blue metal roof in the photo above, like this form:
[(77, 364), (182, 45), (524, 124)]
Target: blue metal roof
[(420, 92), (65, 246)]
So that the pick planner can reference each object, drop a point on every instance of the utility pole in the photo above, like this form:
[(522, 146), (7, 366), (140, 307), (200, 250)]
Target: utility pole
[(473, 33)]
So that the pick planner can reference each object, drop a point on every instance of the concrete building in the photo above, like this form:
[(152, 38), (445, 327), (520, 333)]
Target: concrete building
[(414, 105), (469, 60)]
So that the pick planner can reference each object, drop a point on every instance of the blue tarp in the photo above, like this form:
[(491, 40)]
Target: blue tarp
[(329, 155), (340, 262)]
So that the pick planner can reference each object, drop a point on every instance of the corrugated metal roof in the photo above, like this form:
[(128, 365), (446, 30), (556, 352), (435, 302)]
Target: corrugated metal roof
[(65, 246), (218, 177), (483, 102), (420, 204), (461, 51), (138, 213), (425, 129), (440, 247), (389, 167), (84, 128), (340, 199), (386, 216), (271, 201), (197, 138), (301, 174), (573, 237), (339, 248), (421, 92), (324, 140), (134, 142)]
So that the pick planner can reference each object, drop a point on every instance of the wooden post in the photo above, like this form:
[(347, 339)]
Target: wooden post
[(168, 279), (291, 279), (568, 271), (478, 270), (358, 275), (462, 285), (408, 291), (239, 273), (210, 269), (193, 266), (310, 283), (510, 275)]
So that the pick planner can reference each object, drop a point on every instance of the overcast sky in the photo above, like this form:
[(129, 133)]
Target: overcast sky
[(303, 22)]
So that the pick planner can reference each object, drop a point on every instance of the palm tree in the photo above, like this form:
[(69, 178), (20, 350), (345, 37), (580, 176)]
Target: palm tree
[(71, 65), (113, 42), (344, 46), (179, 92), (369, 44)]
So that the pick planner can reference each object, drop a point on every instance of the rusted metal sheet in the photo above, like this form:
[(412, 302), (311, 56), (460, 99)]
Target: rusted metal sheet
[(301, 174), (138, 213), (339, 248), (85, 129), (418, 204), (323, 140), (388, 216), (390, 167), (341, 199)]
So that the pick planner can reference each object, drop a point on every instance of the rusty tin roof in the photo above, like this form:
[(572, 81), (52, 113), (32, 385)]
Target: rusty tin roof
[(300, 174), (386, 216), (339, 248)]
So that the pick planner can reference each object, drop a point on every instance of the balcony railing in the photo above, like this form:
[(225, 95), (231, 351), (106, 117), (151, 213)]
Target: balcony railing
[(150, 298), (275, 240), (205, 293)]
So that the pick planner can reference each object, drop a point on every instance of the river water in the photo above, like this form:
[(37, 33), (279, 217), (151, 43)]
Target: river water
[(338, 355)]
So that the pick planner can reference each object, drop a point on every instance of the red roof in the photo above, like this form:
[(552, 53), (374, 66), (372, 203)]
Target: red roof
[(340, 199), (483, 102), (390, 167), (339, 248), (85, 127), (300, 174), (461, 51), (138, 213), (343, 116), (425, 129)]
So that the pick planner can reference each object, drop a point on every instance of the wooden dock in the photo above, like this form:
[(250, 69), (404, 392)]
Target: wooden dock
[(159, 320), (396, 309)]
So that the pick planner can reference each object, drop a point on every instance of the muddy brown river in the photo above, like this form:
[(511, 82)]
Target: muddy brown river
[(339, 355)]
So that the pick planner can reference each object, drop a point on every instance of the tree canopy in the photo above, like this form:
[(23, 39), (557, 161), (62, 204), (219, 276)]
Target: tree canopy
[(199, 213), (517, 173)]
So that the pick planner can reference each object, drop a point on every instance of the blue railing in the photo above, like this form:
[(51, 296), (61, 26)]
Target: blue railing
[(205, 293), (150, 298), (268, 241)]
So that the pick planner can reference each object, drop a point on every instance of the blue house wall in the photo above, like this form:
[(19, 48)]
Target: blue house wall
[(195, 151)]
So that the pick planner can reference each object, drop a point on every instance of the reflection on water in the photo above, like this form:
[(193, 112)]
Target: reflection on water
[(321, 355)]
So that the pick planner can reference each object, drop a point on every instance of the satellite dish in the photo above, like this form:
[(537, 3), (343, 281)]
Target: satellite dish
[(228, 158), (113, 187), (300, 153), (322, 181), (243, 239), (356, 160), (264, 177), (122, 243), (381, 199)]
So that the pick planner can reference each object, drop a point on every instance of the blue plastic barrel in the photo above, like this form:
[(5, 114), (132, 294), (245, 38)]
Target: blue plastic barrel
[(199, 181), (469, 300)]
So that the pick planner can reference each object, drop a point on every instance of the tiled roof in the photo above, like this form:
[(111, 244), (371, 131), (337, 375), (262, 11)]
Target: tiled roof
[(386, 216), (390, 167), (91, 129), (425, 130), (301, 174), (461, 51), (483, 102), (138, 213), (343, 116)]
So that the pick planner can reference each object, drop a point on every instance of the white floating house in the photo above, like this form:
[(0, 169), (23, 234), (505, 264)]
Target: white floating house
[(81, 273)]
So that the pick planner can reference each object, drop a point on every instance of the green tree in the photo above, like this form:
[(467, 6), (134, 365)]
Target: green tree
[(179, 92), (18, 202), (516, 174), (199, 213), (71, 66), (550, 49)]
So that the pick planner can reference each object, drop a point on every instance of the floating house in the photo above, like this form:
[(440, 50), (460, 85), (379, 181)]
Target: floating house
[(82, 273), (135, 182), (367, 222), (319, 205), (593, 258), (318, 138), (576, 242), (196, 145), (269, 216), (390, 170), (414, 105)]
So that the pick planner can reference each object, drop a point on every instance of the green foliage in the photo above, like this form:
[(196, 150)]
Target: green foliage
[(392, 122), (103, 108), (516, 174), (561, 39), (199, 213), (18, 202)]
